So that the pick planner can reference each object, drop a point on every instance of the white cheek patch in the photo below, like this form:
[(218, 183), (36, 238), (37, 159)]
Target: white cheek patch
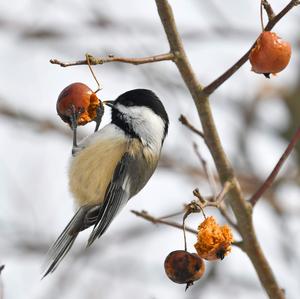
[(146, 124)]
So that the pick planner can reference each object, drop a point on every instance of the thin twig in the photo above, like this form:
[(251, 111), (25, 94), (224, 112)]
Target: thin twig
[(186, 123), (208, 174), (171, 215), (269, 10), (220, 205), (147, 216), (226, 187), (281, 14), (239, 244), (215, 202), (197, 194), (111, 58), (268, 182), (209, 89)]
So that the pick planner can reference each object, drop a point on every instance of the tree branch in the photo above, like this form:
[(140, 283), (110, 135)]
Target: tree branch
[(209, 176), (209, 89), (269, 10), (186, 123), (145, 215), (111, 58), (241, 209), (269, 181)]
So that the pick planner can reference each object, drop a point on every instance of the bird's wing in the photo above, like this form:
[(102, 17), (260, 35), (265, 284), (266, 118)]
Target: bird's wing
[(117, 194)]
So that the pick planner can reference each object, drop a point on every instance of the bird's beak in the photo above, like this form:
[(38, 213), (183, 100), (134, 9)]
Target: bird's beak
[(109, 103)]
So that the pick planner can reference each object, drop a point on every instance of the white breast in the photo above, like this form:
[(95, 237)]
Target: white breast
[(93, 166)]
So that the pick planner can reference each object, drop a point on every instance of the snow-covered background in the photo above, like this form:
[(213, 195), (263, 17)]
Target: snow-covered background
[(127, 262)]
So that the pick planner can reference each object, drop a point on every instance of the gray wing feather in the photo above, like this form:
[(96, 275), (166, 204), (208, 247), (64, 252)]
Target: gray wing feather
[(117, 195)]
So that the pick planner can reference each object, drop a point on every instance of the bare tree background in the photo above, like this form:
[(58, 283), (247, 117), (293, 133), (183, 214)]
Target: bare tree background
[(25, 238)]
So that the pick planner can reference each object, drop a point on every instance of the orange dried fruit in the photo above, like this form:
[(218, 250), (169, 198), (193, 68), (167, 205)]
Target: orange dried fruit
[(213, 241), (184, 267), (78, 98), (271, 54)]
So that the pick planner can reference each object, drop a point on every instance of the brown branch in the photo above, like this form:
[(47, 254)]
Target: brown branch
[(221, 207), (147, 216), (192, 207), (269, 10), (209, 89), (210, 178), (217, 202), (219, 199), (269, 181), (172, 215), (241, 208), (226, 187), (239, 244), (186, 123), (111, 58)]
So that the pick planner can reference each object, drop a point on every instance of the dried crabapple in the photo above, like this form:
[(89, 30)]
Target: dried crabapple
[(184, 267)]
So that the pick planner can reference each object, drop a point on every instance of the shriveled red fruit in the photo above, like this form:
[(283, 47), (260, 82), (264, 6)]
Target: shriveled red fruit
[(78, 98), (184, 267), (270, 55)]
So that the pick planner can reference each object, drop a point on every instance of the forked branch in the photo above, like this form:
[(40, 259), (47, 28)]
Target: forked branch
[(240, 207), (209, 89)]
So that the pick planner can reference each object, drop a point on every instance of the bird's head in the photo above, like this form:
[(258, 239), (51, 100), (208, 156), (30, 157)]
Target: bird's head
[(141, 114)]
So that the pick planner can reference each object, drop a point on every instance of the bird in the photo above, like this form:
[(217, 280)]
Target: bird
[(112, 165)]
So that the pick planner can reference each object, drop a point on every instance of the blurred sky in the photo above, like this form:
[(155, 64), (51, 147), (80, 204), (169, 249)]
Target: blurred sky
[(34, 197)]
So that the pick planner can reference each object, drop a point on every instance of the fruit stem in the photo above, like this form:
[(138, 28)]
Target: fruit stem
[(87, 56), (183, 228)]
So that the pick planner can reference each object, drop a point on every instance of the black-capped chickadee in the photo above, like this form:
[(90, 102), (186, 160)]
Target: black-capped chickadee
[(112, 165)]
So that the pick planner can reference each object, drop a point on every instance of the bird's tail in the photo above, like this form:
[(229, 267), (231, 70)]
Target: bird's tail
[(65, 241)]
